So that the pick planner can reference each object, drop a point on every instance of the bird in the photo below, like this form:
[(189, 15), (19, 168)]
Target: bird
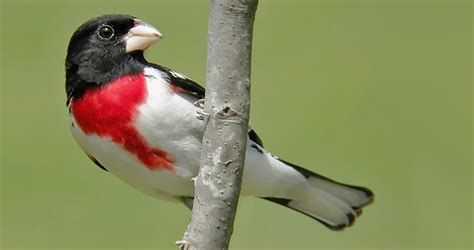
[(141, 122)]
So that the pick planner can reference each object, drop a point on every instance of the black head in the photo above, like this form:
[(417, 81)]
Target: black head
[(105, 48)]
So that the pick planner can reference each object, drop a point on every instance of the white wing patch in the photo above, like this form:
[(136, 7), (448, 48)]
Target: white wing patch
[(178, 75)]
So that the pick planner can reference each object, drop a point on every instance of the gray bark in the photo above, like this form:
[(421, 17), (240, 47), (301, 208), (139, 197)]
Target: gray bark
[(227, 105)]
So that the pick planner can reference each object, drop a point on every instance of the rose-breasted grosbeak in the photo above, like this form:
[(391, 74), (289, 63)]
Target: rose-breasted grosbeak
[(138, 121)]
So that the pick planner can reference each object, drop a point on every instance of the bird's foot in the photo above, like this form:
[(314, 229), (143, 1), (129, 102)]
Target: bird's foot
[(183, 244), (201, 114), (199, 103)]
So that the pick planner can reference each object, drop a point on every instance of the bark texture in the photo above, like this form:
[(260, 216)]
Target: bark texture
[(227, 105)]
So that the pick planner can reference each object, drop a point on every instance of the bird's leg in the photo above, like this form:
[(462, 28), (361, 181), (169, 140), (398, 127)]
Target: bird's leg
[(201, 114), (183, 244), (199, 103)]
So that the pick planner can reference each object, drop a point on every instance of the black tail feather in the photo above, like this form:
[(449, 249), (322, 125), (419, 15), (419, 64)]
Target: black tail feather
[(331, 200)]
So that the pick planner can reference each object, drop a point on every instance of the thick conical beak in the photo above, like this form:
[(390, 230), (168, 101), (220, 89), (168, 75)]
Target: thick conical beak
[(141, 36)]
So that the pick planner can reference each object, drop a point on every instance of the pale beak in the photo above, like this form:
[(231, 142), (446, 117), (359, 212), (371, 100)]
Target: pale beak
[(141, 36)]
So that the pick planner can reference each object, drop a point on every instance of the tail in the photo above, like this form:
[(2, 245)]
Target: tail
[(334, 204)]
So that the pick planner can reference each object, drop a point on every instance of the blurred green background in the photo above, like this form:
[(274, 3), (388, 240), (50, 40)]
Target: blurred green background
[(375, 93)]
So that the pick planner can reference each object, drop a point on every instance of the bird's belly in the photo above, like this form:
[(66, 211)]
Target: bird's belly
[(164, 122), (161, 183)]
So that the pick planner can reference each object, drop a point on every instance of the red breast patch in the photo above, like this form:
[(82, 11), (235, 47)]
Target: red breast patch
[(109, 111)]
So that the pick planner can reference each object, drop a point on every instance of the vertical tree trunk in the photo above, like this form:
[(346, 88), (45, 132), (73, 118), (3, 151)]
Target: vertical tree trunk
[(225, 138)]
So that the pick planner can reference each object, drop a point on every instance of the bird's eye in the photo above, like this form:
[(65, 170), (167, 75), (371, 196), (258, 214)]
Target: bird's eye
[(105, 32)]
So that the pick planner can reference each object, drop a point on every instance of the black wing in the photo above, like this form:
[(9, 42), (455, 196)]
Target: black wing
[(98, 163), (194, 89), (254, 137), (182, 82)]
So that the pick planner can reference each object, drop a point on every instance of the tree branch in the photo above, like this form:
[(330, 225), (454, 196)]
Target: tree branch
[(217, 185)]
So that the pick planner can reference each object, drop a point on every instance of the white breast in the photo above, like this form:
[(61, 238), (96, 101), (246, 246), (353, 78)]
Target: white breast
[(165, 120), (168, 121)]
